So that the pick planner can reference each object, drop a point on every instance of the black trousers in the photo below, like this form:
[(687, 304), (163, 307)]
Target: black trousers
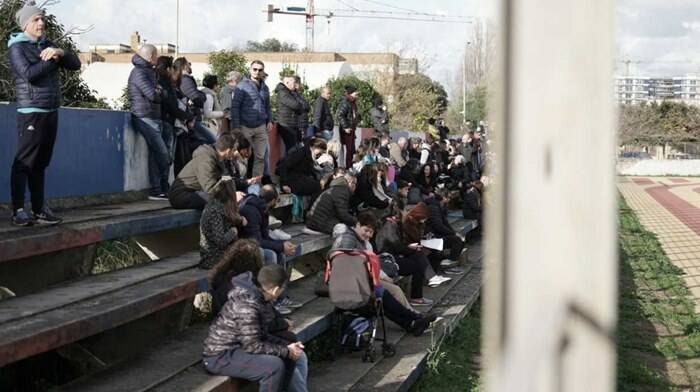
[(415, 266), (304, 186), (393, 310), (451, 243), (36, 136), (290, 136), (187, 200)]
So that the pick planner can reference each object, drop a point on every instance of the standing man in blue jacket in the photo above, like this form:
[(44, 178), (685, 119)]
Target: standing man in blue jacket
[(35, 64), (251, 114)]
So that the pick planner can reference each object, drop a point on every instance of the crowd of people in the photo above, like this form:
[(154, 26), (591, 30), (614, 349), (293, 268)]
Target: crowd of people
[(389, 196)]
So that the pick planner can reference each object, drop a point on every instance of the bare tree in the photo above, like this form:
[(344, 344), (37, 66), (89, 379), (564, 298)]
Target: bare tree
[(480, 53)]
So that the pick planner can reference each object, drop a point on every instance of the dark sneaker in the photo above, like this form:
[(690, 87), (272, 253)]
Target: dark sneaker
[(21, 218), (454, 271), (419, 326), (46, 217), (158, 197), (421, 301), (290, 303)]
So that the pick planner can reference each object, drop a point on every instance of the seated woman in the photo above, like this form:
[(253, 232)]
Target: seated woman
[(239, 343), (238, 167), (358, 237), (368, 188), (219, 223), (427, 180), (298, 169)]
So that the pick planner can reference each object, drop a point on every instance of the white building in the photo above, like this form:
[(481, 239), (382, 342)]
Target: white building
[(687, 89), (632, 90)]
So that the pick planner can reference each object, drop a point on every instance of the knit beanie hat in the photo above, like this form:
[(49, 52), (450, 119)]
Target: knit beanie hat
[(25, 14), (350, 89)]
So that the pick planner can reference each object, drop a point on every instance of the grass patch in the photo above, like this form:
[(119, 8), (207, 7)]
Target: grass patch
[(453, 365), (117, 254), (657, 321)]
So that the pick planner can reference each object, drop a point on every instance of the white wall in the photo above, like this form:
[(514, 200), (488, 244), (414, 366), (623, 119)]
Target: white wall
[(659, 167)]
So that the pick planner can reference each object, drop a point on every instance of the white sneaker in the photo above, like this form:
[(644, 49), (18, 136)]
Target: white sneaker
[(306, 230), (278, 234), (274, 223), (447, 263), (437, 280)]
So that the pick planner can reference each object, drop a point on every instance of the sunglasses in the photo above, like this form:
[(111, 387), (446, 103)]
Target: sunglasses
[(257, 69)]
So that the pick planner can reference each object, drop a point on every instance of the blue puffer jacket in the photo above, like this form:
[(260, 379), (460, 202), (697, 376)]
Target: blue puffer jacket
[(37, 82), (144, 97), (251, 105)]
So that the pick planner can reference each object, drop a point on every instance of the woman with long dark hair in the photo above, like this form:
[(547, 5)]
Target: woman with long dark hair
[(243, 256), (427, 179), (219, 223)]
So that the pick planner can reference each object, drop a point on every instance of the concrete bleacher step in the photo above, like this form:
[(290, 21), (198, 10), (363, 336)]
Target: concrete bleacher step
[(400, 372), (175, 363), (88, 225), (76, 310), (325, 376)]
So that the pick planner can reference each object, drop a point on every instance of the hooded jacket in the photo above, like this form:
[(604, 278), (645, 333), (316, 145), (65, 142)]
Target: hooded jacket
[(347, 114), (243, 323), (37, 82), (188, 86), (254, 209), (144, 97), (331, 207), (297, 164)]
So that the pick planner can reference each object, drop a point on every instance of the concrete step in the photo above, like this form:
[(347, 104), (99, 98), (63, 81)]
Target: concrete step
[(400, 372), (174, 365), (325, 376)]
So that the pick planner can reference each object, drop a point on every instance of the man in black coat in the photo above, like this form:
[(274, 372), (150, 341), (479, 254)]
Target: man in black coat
[(332, 207), (440, 227), (289, 108), (348, 119), (323, 119), (297, 170), (35, 63)]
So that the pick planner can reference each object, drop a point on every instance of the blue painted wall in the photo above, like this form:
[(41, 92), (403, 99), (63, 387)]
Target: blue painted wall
[(89, 156)]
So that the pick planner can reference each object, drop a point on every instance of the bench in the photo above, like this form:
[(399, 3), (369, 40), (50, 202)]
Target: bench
[(174, 365)]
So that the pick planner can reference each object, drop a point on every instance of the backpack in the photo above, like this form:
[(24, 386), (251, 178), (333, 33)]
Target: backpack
[(357, 334), (389, 265)]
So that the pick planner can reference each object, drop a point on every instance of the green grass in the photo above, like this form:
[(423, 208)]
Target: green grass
[(657, 319), (117, 254), (453, 365)]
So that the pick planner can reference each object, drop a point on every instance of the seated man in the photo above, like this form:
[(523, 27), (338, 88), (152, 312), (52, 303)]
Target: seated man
[(256, 211), (440, 227), (196, 180), (298, 169), (332, 207), (357, 238), (239, 345)]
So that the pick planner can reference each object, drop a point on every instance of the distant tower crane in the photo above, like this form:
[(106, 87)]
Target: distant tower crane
[(310, 12)]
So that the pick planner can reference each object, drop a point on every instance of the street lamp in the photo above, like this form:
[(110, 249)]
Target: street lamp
[(464, 85)]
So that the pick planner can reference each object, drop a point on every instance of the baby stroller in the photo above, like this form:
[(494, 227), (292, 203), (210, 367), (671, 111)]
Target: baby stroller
[(352, 276)]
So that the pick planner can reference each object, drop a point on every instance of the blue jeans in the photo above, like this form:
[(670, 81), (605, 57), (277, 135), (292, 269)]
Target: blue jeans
[(202, 134), (297, 383), (169, 140), (271, 372), (158, 153), (328, 135), (270, 257)]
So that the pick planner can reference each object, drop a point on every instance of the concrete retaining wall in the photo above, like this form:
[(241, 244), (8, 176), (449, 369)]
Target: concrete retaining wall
[(97, 152), (658, 167)]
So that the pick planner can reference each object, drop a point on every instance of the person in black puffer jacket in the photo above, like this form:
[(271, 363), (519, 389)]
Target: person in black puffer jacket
[(289, 108), (303, 119), (35, 63), (297, 170), (145, 98), (348, 120), (170, 109), (333, 206)]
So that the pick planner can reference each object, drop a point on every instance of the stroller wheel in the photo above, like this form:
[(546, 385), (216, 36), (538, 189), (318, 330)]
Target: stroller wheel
[(388, 350), (369, 356)]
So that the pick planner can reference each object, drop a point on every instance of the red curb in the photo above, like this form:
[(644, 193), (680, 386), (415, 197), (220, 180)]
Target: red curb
[(642, 181)]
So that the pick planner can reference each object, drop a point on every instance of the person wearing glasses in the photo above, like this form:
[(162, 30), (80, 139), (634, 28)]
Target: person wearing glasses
[(251, 115)]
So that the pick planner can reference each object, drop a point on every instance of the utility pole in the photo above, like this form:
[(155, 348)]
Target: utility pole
[(310, 26), (464, 84), (177, 29)]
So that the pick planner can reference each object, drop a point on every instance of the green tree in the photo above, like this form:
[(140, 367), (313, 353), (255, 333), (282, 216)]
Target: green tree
[(417, 99), (659, 123), (271, 45), (367, 93), (224, 61), (75, 91)]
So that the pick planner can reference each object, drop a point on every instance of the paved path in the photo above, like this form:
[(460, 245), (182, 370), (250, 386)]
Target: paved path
[(670, 208)]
